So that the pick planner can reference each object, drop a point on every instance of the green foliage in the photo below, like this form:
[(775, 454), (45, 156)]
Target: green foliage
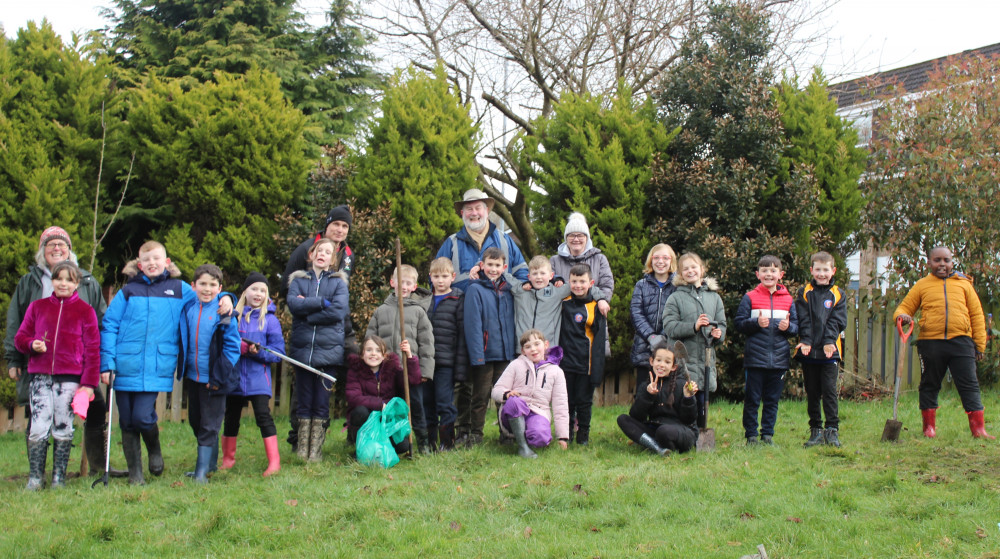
[(933, 177), (827, 145), (593, 155), (419, 159), (325, 72), (217, 164), (50, 147), (717, 194)]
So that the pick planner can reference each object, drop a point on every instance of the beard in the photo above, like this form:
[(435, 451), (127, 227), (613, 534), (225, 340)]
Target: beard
[(477, 227)]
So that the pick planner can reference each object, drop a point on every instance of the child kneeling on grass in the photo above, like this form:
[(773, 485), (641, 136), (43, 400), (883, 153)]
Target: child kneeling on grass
[(374, 378), (664, 414), (528, 388)]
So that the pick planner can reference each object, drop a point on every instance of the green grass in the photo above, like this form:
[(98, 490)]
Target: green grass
[(916, 498)]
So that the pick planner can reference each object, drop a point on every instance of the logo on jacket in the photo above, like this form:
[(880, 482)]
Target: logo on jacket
[(168, 292), (578, 318), (828, 303)]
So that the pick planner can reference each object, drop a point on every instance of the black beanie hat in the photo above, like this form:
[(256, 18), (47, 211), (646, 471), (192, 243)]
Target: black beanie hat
[(340, 213), (253, 278)]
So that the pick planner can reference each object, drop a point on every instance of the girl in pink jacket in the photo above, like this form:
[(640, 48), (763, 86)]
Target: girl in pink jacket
[(528, 388), (62, 340)]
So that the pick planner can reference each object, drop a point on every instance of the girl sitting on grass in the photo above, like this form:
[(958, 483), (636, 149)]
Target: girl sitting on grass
[(528, 388), (374, 378), (663, 415)]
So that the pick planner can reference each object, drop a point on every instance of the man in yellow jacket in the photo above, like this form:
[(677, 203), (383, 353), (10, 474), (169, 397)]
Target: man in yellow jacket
[(952, 336)]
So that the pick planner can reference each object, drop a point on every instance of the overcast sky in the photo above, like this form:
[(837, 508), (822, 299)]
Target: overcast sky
[(864, 36)]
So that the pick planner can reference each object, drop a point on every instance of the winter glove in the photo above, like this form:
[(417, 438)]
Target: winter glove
[(81, 403)]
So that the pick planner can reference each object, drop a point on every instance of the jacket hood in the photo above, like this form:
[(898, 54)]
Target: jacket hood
[(554, 355), (710, 283), (588, 251), (305, 274), (131, 269), (417, 297)]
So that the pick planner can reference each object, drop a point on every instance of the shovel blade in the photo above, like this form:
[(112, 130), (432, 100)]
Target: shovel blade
[(891, 431), (706, 440)]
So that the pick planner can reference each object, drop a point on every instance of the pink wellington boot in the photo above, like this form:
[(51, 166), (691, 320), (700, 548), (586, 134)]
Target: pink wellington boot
[(273, 458), (228, 452)]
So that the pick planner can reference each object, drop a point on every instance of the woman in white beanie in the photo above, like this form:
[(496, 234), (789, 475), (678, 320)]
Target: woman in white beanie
[(577, 249)]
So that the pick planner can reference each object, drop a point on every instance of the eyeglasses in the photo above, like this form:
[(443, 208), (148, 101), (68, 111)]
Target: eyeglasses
[(576, 236), (56, 244)]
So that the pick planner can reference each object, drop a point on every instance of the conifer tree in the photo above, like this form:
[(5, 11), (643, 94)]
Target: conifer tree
[(216, 165), (819, 139), (593, 155), (420, 158)]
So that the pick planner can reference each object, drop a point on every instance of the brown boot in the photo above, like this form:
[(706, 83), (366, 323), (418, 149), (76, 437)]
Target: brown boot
[(316, 440)]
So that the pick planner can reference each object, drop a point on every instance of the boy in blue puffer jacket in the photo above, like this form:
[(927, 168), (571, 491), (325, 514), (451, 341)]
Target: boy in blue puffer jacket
[(140, 342), (211, 348), (767, 316), (489, 337)]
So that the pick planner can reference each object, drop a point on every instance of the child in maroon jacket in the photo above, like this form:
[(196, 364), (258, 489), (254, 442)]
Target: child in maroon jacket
[(62, 340), (374, 378)]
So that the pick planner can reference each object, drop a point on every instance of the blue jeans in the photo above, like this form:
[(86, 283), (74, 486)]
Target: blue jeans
[(439, 398), (136, 410), (762, 385)]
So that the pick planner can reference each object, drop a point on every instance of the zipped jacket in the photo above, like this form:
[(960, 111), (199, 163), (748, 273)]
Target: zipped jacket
[(542, 387), (319, 306), (948, 307), (68, 326), (767, 348), (822, 314)]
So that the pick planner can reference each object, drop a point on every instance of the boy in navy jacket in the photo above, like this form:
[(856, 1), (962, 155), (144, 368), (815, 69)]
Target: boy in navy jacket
[(489, 337), (446, 309), (822, 314), (767, 316)]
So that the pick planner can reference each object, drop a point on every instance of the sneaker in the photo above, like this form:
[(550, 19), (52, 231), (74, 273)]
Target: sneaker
[(766, 439), (752, 441)]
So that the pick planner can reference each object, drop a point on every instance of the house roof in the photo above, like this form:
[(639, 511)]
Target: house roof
[(911, 78)]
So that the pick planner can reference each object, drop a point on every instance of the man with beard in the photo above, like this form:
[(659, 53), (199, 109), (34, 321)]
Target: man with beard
[(465, 248)]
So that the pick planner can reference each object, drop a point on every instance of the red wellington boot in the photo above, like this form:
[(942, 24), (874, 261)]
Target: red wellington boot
[(978, 425), (929, 427), (228, 452)]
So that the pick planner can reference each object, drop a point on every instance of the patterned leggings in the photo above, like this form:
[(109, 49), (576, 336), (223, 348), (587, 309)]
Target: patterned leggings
[(50, 408)]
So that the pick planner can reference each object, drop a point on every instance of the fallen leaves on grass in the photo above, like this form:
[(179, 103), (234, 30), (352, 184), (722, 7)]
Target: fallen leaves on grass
[(455, 526), (981, 533), (734, 544), (292, 502), (579, 489), (505, 486), (595, 529), (747, 516), (527, 531), (794, 519), (177, 484), (458, 488)]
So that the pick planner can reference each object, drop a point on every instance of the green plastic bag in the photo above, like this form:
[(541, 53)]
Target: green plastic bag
[(380, 431)]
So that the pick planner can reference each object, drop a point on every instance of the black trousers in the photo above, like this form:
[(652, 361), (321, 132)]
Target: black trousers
[(821, 389), (679, 438), (957, 355), (205, 410), (261, 413), (580, 392)]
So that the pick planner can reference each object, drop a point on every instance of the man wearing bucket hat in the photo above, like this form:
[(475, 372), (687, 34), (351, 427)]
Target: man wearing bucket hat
[(465, 248), (55, 246)]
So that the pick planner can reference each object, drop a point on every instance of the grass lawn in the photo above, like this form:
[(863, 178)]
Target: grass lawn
[(916, 498)]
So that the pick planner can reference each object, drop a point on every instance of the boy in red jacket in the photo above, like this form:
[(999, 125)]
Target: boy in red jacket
[(952, 337)]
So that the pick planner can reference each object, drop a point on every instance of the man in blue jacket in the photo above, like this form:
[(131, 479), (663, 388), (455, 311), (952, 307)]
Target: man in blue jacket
[(465, 249)]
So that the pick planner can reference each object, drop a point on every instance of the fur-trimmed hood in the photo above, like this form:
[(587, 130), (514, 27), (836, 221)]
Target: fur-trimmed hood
[(131, 269), (710, 283), (305, 273)]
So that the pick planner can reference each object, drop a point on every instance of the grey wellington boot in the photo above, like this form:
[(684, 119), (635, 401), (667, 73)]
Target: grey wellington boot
[(60, 461), (38, 452), (517, 428)]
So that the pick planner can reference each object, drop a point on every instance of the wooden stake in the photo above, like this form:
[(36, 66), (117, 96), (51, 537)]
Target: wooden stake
[(402, 336)]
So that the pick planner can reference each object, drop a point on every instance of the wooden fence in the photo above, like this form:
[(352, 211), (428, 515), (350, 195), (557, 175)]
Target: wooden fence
[(871, 347)]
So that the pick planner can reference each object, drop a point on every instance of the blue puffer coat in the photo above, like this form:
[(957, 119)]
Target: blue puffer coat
[(140, 333), (648, 300), (319, 308), (489, 322), (255, 370)]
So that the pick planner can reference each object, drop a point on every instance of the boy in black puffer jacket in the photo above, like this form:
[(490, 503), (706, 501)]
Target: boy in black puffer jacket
[(445, 309), (767, 316)]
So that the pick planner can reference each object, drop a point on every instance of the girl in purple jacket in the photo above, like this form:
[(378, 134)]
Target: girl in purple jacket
[(61, 338), (259, 328), (374, 378)]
